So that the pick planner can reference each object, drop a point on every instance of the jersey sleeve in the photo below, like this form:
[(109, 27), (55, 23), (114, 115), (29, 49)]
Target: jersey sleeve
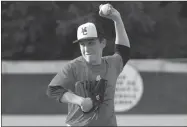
[(119, 58), (124, 52), (63, 81)]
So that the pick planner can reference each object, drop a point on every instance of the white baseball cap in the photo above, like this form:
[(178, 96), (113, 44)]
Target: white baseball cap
[(86, 31)]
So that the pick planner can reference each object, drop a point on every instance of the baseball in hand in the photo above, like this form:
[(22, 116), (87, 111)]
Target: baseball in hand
[(106, 9)]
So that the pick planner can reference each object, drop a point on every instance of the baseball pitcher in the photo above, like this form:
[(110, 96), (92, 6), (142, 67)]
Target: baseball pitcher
[(87, 83)]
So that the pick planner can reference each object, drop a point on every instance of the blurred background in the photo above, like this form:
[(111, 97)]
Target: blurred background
[(36, 40)]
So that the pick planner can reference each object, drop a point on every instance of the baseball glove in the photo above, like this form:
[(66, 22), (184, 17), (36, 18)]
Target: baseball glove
[(94, 90)]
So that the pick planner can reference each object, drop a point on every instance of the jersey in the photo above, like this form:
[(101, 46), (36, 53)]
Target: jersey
[(79, 70)]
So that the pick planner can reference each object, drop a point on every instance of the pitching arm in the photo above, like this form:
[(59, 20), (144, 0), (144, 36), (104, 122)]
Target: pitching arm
[(121, 35)]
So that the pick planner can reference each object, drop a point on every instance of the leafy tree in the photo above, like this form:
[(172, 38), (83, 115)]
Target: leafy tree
[(38, 30)]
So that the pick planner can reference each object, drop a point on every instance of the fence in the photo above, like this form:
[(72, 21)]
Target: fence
[(164, 93)]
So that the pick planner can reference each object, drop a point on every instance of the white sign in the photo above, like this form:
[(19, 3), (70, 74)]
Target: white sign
[(129, 89)]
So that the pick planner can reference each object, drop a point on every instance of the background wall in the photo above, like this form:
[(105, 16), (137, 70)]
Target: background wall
[(23, 91), (24, 84), (164, 93)]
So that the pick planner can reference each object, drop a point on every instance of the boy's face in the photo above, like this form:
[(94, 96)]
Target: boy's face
[(91, 50)]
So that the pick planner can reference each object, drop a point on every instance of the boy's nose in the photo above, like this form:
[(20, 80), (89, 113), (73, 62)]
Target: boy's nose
[(86, 48)]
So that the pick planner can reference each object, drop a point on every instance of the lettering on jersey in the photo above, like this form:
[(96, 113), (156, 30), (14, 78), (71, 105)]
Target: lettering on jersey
[(97, 97), (84, 31), (98, 78)]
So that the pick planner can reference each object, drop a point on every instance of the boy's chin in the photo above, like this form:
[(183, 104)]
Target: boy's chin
[(90, 59)]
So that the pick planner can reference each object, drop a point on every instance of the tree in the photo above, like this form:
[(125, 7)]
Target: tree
[(38, 30)]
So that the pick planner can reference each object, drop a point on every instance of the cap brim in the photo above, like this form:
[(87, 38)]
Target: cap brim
[(88, 38)]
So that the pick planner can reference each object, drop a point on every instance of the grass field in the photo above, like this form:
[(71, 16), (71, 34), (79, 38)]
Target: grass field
[(123, 120)]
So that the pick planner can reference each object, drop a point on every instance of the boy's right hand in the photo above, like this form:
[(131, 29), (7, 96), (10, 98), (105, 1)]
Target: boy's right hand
[(86, 104), (113, 15)]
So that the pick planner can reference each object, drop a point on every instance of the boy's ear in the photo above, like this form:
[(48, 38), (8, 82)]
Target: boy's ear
[(103, 42)]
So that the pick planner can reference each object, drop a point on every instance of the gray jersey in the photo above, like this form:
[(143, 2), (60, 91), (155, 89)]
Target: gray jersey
[(79, 70)]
